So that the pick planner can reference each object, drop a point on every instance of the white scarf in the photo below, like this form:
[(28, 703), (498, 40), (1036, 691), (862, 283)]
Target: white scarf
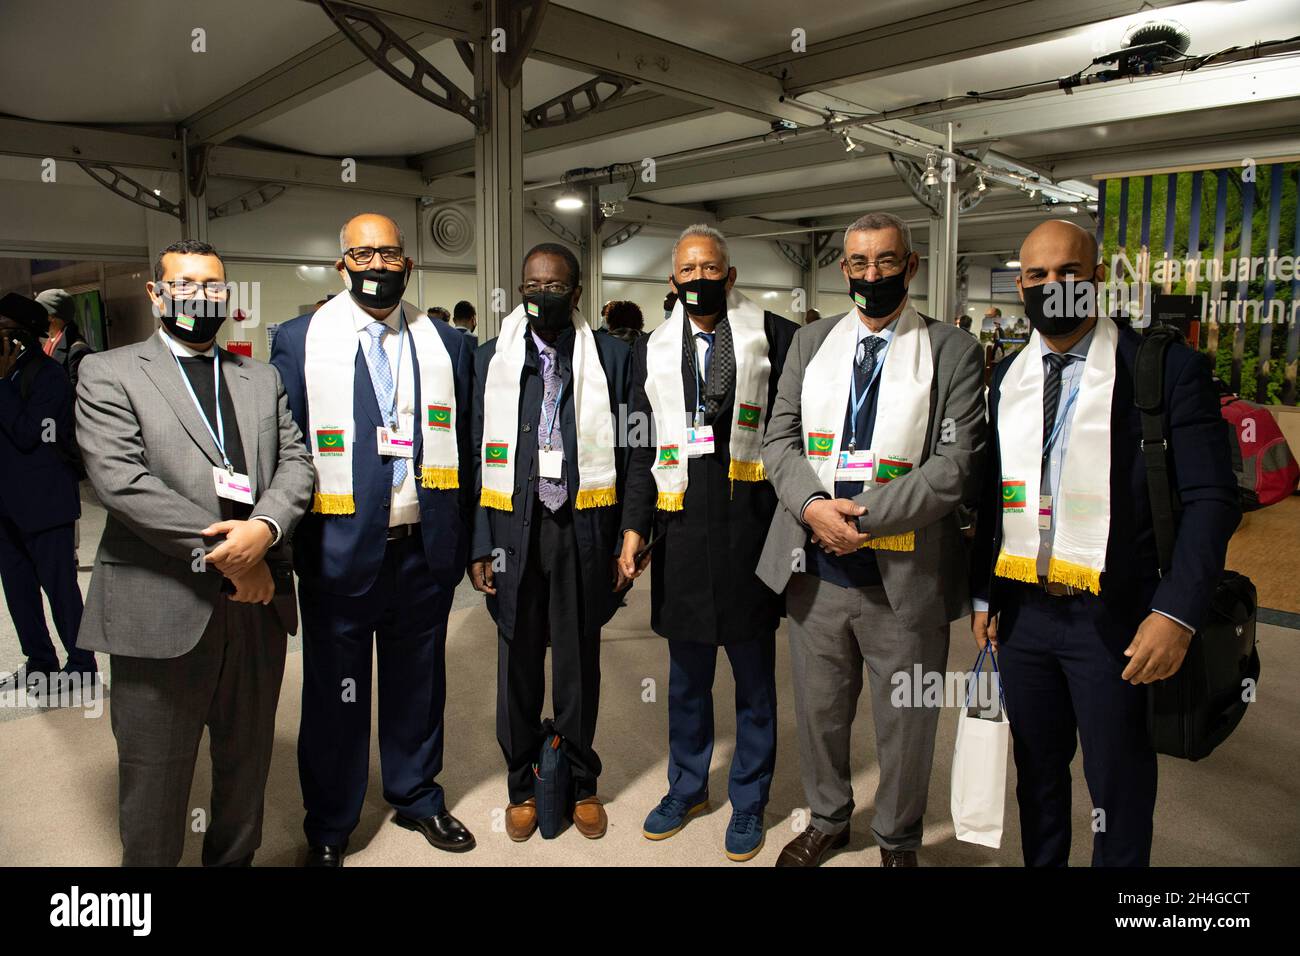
[(902, 406), (595, 421), (666, 392), (1081, 513), (329, 370)]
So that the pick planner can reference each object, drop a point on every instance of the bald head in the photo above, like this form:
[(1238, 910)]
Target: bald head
[(370, 229), (1055, 251)]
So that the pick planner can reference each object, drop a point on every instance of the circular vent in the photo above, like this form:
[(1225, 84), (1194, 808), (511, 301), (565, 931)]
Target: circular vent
[(451, 230), (1171, 33)]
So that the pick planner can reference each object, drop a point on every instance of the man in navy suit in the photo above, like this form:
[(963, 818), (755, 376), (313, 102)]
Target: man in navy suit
[(39, 501), (1073, 662), (385, 573)]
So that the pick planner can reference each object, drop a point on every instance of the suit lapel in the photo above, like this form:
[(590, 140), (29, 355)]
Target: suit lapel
[(161, 367), (364, 393), (235, 379)]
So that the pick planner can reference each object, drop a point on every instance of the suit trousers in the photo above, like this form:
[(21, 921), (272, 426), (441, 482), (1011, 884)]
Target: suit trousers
[(833, 631), (230, 682), (28, 563), (550, 606), (1061, 661), (401, 620), (690, 720)]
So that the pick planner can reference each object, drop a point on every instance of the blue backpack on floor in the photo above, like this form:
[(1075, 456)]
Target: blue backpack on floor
[(553, 787)]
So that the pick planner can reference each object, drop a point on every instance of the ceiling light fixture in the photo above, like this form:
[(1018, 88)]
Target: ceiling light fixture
[(931, 171), (569, 199), (1013, 263)]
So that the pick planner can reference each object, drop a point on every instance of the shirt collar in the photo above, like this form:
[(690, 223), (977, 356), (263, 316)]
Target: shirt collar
[(362, 319), (180, 349), (1079, 349)]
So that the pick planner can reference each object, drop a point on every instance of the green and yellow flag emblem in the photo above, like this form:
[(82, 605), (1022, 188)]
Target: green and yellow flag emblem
[(1013, 495), (497, 454), (749, 416), (669, 456), (821, 444), (887, 469), (440, 416), (329, 441)]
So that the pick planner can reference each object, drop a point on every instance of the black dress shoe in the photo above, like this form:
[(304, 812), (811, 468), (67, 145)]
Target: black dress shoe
[(321, 854), (811, 847), (442, 831)]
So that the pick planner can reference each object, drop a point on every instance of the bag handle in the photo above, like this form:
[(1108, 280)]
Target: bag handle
[(975, 672), (1149, 397)]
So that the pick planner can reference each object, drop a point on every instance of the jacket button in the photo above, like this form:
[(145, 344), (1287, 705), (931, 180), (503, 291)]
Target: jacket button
[(510, 551), (385, 505), (528, 427)]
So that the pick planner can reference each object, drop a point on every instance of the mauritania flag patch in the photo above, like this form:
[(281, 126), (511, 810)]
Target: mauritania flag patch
[(859, 300), (531, 308), (1013, 495), (821, 444), (887, 469), (497, 454), (748, 416), (329, 441), (692, 298), (440, 416), (669, 456), (369, 287)]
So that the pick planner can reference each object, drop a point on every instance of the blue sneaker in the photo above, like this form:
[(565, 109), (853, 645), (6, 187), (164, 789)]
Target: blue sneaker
[(670, 816), (744, 836)]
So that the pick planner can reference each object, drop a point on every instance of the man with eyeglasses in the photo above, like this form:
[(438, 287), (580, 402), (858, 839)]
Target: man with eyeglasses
[(382, 392), (194, 455), (698, 500), (873, 444), (550, 472)]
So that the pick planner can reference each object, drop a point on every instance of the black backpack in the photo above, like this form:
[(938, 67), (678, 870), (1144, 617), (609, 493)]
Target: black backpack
[(553, 784), (1191, 713)]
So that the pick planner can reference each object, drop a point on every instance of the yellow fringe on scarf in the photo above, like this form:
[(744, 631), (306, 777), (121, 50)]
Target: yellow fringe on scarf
[(500, 500), (1017, 568), (441, 478), (670, 500), (333, 504), (893, 542), (746, 471), (597, 497), (1075, 575)]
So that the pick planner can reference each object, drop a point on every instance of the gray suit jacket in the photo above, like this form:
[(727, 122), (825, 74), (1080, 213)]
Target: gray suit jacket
[(928, 586), (150, 458)]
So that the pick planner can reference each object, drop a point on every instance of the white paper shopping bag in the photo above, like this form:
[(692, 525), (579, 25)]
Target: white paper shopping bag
[(979, 772)]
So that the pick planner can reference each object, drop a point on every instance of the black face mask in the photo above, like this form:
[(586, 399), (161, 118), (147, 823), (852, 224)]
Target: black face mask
[(702, 296), (880, 298), (193, 320), (1058, 308), (549, 312), (377, 288)]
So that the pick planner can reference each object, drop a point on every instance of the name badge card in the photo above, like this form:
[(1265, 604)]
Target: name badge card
[(699, 441), (232, 485), (550, 463), (855, 466), (395, 442), (1045, 512)]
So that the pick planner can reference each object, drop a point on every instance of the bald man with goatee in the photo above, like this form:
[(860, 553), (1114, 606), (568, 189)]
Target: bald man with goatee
[(382, 392), (1066, 582)]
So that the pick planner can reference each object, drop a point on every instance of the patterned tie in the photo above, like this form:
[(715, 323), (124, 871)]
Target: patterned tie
[(708, 353), (384, 388), (1052, 391), (865, 365), (552, 491)]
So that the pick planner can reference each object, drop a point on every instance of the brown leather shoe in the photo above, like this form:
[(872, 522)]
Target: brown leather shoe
[(590, 819), (811, 846), (521, 820), (897, 857)]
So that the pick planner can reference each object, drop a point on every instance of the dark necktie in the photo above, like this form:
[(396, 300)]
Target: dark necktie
[(552, 491), (865, 364), (708, 354), (1052, 391)]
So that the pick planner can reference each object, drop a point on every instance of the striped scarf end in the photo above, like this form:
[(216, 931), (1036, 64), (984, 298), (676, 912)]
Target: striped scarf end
[(444, 479), (670, 500), (1074, 575), (596, 497), (333, 504), (746, 471), (894, 542), (1017, 568), (500, 500)]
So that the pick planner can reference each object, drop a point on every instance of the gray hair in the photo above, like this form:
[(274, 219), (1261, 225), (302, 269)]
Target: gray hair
[(874, 221), (705, 232), (343, 246)]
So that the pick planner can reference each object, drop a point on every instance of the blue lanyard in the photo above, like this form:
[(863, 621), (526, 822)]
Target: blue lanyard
[(559, 396), (1056, 429), (859, 400), (397, 375), (219, 436)]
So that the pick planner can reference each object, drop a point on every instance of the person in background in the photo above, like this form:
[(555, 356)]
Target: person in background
[(811, 316), (439, 313), (39, 503), (624, 321), (465, 318), (670, 302), (65, 344)]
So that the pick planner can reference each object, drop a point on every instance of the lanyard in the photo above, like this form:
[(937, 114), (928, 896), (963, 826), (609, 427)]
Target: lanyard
[(1056, 429), (859, 400), (397, 375), (219, 436)]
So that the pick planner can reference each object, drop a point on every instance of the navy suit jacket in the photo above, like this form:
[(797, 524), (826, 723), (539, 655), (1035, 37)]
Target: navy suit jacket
[(39, 490), (342, 554), (597, 530), (1200, 475)]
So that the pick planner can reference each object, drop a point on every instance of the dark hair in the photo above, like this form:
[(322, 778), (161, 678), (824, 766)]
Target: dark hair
[(186, 247), (625, 315), (463, 310), (555, 249), (440, 311), (963, 321), (670, 301)]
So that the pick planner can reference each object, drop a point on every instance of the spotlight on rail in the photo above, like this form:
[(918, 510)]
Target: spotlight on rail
[(570, 199)]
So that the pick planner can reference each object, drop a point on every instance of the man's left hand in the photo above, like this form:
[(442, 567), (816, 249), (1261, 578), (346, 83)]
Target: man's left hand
[(1157, 650), (246, 544)]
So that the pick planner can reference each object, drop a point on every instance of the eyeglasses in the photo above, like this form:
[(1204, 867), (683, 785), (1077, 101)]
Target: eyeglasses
[(362, 255), (709, 269), (558, 288), (887, 265), (188, 289)]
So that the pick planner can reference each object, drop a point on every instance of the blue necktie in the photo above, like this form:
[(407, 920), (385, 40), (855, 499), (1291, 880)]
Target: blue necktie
[(708, 353), (384, 388)]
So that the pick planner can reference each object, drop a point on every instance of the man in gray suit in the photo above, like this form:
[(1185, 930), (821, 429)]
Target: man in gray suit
[(204, 474), (872, 445)]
